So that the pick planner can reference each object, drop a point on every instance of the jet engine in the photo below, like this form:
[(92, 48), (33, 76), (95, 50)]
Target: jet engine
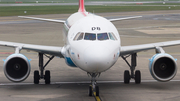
[(17, 67), (163, 67)]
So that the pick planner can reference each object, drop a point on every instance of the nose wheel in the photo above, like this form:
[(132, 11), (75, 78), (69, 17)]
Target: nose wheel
[(93, 91), (90, 92)]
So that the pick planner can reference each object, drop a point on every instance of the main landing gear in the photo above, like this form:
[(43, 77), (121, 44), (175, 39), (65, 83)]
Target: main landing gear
[(93, 88), (38, 76), (137, 75)]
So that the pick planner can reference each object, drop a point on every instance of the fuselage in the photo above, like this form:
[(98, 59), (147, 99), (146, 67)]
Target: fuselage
[(92, 42)]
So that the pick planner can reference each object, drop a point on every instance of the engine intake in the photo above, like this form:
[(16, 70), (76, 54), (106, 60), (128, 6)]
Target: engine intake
[(163, 67), (17, 67)]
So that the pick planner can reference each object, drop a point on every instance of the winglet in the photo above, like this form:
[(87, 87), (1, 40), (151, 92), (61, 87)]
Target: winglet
[(81, 6)]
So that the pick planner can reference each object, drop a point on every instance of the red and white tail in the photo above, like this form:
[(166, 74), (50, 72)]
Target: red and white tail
[(81, 6)]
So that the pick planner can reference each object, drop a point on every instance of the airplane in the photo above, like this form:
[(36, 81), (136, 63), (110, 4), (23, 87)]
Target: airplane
[(92, 44)]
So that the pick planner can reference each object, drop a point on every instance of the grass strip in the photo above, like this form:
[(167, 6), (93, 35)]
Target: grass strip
[(37, 10)]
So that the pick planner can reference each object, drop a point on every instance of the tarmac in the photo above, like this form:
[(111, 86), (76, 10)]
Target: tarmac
[(71, 84)]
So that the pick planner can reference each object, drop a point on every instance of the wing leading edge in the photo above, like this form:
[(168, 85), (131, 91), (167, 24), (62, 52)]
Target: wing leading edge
[(126, 18), (42, 19), (52, 50), (138, 48)]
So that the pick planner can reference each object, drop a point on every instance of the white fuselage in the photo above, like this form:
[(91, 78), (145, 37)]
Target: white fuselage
[(92, 42)]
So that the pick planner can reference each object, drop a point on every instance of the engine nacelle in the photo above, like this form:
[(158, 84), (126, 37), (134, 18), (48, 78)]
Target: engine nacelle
[(163, 67), (17, 67)]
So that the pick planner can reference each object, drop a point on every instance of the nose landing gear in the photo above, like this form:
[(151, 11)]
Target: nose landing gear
[(93, 88)]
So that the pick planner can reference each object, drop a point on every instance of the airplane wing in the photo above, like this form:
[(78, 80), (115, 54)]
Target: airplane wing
[(126, 18), (42, 19), (138, 48), (52, 50)]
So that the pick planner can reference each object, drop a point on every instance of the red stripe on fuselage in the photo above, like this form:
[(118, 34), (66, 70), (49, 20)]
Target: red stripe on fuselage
[(81, 7)]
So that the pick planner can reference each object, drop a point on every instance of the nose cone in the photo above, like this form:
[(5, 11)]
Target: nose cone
[(97, 59)]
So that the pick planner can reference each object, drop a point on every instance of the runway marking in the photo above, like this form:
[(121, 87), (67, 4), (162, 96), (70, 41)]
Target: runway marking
[(6, 52), (97, 98), (82, 82), (40, 96), (160, 31), (147, 27), (147, 37)]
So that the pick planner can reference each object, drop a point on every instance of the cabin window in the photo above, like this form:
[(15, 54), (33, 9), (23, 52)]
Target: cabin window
[(90, 36), (102, 36)]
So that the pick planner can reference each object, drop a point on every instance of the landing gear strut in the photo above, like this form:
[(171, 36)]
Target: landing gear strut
[(134, 75), (38, 76), (93, 88)]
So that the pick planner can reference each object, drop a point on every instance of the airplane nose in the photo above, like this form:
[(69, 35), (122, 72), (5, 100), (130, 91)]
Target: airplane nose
[(97, 59)]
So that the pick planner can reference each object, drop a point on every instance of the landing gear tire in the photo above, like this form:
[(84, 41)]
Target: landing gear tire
[(97, 90), (137, 77), (36, 77), (90, 91), (126, 77), (47, 77)]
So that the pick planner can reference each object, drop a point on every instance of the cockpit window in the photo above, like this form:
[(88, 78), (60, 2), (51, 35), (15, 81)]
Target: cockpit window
[(112, 36), (102, 36), (79, 36), (90, 36), (75, 38)]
